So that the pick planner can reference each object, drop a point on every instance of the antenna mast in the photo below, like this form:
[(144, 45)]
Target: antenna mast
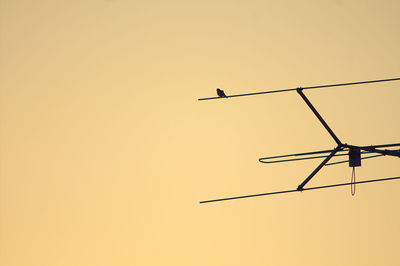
[(354, 152)]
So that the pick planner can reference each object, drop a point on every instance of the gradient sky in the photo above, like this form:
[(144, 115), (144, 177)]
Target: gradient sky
[(105, 151)]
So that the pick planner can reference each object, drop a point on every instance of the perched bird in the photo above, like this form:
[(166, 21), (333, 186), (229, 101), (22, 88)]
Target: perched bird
[(221, 93)]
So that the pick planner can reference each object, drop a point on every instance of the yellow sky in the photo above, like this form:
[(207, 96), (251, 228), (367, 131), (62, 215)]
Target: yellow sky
[(105, 151)]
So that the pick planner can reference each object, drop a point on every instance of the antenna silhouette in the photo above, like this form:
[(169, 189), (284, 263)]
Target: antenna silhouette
[(353, 152)]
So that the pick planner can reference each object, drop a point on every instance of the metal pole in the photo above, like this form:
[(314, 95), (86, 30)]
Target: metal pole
[(301, 186), (339, 143)]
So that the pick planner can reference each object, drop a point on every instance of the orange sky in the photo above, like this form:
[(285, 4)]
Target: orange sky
[(105, 151)]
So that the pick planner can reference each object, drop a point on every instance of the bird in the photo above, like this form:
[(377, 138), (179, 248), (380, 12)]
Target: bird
[(221, 93)]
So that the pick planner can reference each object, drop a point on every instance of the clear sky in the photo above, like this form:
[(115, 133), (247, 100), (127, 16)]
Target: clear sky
[(105, 151)]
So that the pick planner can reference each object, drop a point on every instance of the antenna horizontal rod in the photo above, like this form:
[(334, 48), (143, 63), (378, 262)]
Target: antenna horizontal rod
[(368, 157), (262, 160), (297, 154), (304, 189), (382, 146), (305, 154), (299, 159), (373, 149), (304, 88)]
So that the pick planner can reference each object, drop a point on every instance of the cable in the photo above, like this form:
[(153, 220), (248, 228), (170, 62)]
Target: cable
[(304, 88), (304, 189)]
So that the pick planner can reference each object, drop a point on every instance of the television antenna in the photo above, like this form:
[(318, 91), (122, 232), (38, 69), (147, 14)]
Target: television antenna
[(354, 153)]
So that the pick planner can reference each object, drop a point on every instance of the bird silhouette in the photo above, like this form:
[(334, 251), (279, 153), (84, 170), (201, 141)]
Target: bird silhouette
[(221, 93)]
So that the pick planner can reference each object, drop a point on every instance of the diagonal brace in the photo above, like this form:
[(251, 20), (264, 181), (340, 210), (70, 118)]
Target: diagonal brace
[(301, 186), (300, 91)]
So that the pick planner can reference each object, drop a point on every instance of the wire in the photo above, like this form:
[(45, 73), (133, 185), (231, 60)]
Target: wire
[(304, 189), (304, 88)]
